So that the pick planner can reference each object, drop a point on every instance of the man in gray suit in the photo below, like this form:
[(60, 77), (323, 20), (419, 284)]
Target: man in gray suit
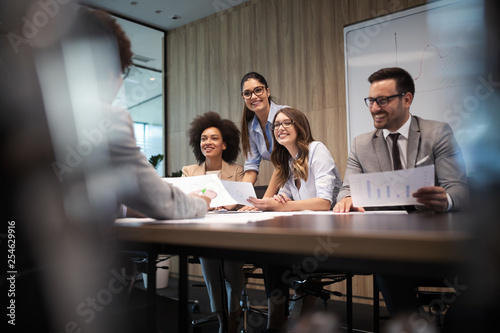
[(403, 141), (420, 142)]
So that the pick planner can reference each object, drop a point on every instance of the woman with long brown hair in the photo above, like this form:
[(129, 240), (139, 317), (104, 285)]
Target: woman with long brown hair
[(308, 179)]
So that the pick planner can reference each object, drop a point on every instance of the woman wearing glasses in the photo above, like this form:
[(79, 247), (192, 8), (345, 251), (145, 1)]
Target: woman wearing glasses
[(216, 145), (306, 174), (256, 131), (307, 178)]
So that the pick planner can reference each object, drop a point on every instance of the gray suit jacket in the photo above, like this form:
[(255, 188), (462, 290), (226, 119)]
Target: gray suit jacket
[(369, 153), (138, 184)]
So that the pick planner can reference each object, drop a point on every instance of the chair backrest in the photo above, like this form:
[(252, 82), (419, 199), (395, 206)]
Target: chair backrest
[(260, 190)]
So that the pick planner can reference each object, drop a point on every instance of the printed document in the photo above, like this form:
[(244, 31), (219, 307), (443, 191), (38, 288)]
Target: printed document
[(391, 188), (222, 193)]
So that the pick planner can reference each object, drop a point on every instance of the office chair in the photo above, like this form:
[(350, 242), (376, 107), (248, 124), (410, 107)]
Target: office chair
[(430, 295), (135, 262), (314, 285), (249, 272)]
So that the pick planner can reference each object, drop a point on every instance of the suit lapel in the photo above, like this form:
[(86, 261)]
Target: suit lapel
[(225, 174), (413, 143), (381, 151), (200, 170)]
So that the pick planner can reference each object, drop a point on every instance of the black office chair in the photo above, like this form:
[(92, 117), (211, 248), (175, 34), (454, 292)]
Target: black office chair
[(314, 284), (430, 295), (249, 270), (135, 263)]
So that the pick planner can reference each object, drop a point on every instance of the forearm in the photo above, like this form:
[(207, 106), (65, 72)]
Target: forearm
[(316, 204), (250, 176), (272, 188)]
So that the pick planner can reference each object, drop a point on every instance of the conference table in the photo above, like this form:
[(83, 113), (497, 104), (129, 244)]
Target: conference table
[(421, 244)]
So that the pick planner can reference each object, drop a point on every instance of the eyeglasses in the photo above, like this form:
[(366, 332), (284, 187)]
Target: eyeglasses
[(381, 101), (286, 124), (247, 94)]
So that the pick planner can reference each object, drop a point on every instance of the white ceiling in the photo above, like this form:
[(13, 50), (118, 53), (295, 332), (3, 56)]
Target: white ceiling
[(145, 10)]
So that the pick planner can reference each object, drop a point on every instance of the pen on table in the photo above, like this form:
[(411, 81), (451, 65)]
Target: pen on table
[(202, 191)]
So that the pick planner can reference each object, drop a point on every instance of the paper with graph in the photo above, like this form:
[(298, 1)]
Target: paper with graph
[(222, 193), (391, 188)]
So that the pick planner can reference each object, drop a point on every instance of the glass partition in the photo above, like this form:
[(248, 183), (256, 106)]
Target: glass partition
[(142, 90)]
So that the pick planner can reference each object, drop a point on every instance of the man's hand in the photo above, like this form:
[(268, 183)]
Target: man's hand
[(433, 197), (345, 205), (204, 197)]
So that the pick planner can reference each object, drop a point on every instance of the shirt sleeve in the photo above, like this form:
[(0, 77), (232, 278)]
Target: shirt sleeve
[(139, 185), (325, 173), (253, 157)]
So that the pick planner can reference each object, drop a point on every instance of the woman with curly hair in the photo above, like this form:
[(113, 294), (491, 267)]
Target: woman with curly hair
[(216, 145), (307, 178)]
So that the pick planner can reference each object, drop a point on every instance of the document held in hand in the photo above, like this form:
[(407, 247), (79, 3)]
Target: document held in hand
[(391, 188), (222, 192)]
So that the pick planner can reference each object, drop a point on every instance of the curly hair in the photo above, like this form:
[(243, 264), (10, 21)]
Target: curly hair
[(230, 135), (280, 156)]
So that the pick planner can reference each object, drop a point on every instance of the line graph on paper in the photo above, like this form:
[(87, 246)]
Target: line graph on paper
[(393, 188)]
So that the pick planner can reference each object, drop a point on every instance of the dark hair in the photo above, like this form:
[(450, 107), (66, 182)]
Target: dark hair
[(228, 129), (280, 156), (404, 81), (248, 114), (99, 24), (124, 46)]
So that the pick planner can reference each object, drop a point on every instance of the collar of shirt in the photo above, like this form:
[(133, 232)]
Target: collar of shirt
[(402, 141), (273, 109), (403, 130)]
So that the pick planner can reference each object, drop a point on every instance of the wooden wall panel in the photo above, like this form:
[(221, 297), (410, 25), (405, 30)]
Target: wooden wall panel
[(296, 44)]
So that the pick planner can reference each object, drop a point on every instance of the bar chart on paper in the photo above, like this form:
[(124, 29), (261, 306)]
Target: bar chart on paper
[(392, 188), (378, 191)]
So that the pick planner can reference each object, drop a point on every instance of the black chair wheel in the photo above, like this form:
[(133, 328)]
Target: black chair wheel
[(196, 309)]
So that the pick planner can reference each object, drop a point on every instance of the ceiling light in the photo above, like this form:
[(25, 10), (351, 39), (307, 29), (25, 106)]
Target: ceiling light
[(152, 79), (158, 11), (141, 58), (133, 3)]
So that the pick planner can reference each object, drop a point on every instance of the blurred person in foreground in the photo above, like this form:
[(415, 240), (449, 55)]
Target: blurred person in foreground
[(69, 161)]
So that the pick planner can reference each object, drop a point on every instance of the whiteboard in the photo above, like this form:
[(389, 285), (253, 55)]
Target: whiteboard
[(439, 44)]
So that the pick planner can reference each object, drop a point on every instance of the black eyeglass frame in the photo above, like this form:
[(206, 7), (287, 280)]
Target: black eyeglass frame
[(385, 100), (276, 126), (253, 92)]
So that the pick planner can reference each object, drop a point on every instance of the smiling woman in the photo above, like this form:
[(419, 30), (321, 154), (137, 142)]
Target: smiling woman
[(216, 145)]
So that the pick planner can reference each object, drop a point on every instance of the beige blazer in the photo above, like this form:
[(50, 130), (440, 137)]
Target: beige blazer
[(233, 172)]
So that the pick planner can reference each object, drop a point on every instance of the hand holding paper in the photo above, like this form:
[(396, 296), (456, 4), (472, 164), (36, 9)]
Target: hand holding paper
[(222, 193), (391, 188)]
